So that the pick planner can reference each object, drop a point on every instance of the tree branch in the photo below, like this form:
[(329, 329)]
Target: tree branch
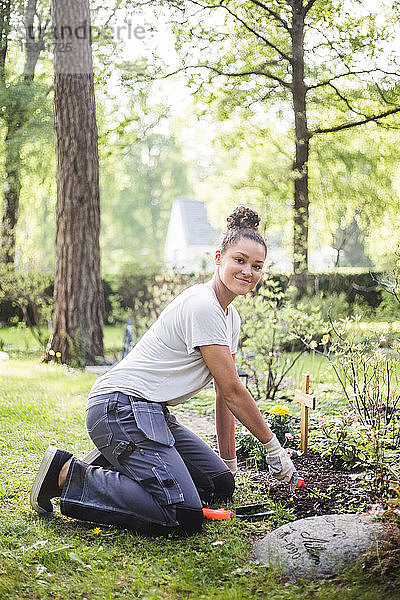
[(224, 74), (362, 72), (356, 123), (308, 6), (273, 14), (246, 26), (382, 95), (347, 102), (258, 35)]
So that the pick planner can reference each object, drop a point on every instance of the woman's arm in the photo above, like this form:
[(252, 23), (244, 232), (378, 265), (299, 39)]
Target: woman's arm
[(225, 426), (238, 401), (234, 395)]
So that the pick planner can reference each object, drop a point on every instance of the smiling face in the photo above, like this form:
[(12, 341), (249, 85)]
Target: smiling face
[(240, 266)]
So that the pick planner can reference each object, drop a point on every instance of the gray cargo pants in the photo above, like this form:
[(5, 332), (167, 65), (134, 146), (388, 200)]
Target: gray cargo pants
[(162, 471)]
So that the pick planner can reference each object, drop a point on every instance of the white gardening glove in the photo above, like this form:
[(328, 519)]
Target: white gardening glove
[(279, 464), (231, 463)]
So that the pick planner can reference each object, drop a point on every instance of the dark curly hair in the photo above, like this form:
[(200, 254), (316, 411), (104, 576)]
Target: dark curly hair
[(242, 223)]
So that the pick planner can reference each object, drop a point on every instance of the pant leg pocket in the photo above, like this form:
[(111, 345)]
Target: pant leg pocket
[(162, 485), (97, 421), (150, 420), (146, 465)]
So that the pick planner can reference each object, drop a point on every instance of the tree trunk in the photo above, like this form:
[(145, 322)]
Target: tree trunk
[(300, 170), (16, 117), (5, 12), (78, 294), (12, 189), (34, 44)]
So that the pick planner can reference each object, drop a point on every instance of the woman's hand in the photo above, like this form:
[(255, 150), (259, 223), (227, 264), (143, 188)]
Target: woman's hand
[(231, 463), (279, 464)]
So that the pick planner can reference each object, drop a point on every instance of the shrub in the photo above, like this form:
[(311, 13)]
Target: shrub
[(280, 423), (28, 292), (370, 379), (335, 304), (343, 441), (269, 321)]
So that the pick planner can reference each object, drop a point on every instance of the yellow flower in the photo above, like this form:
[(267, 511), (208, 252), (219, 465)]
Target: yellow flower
[(51, 352), (96, 530), (58, 354), (279, 410), (325, 339), (313, 344)]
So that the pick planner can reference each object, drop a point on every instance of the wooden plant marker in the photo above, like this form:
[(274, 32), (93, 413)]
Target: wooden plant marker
[(307, 401)]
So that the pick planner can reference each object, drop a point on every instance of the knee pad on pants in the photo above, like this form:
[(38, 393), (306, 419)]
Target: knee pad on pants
[(224, 485), (189, 519)]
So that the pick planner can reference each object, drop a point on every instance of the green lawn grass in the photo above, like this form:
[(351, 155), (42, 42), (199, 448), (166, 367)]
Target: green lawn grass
[(19, 342), (61, 558)]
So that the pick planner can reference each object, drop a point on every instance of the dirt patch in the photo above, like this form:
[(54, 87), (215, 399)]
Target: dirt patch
[(327, 490), (202, 425)]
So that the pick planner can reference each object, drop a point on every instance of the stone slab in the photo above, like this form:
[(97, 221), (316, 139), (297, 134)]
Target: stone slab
[(4, 355), (317, 547)]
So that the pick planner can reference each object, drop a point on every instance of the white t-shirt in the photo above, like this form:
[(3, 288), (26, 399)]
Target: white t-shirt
[(166, 364)]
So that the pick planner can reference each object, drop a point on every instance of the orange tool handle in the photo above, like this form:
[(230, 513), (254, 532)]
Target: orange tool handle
[(218, 514)]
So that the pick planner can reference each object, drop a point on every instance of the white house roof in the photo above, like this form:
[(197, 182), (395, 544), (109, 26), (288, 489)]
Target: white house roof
[(197, 229)]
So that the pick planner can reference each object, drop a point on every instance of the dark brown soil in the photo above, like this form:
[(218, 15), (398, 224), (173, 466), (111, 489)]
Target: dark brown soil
[(327, 490)]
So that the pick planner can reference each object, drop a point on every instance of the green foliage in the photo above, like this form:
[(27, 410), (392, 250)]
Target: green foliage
[(345, 167), (250, 447), (390, 282), (326, 304), (142, 171), (269, 321), (280, 423), (370, 379), (344, 441), (27, 290), (142, 293), (248, 50)]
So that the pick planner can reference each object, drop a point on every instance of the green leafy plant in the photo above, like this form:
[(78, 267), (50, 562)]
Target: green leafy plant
[(251, 448), (369, 376), (268, 348), (28, 291), (343, 440), (280, 423)]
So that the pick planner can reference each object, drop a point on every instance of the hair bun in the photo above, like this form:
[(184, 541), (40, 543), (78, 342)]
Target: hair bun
[(243, 218)]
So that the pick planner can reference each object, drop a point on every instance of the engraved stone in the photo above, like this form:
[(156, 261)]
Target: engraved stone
[(317, 547)]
